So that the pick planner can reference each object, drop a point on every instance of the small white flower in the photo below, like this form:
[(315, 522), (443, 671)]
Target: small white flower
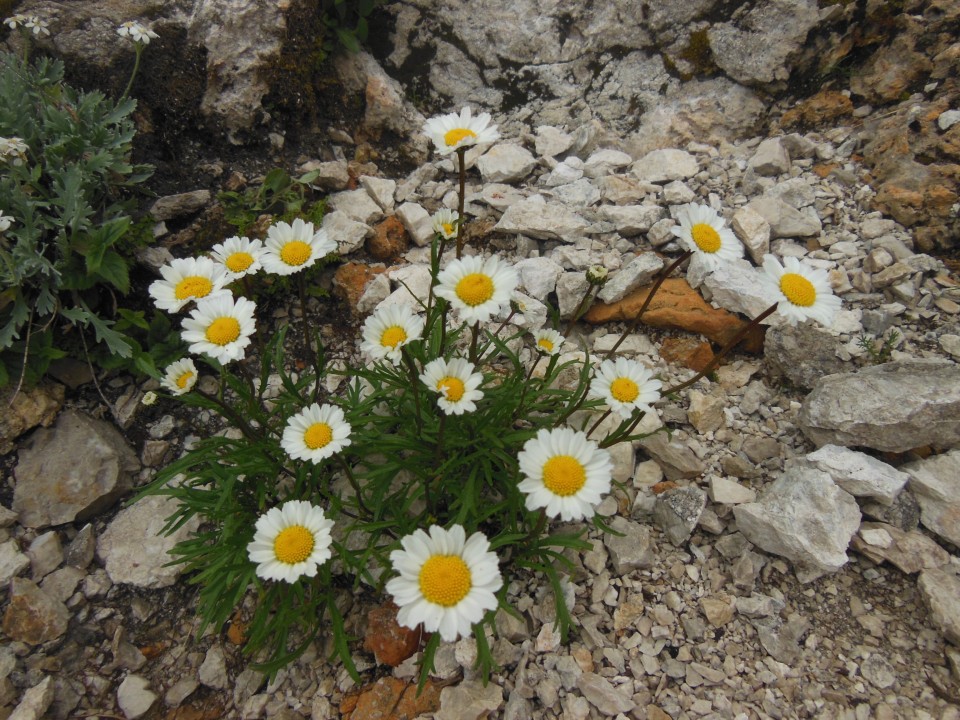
[(149, 398), (455, 382), (180, 377), (292, 248), (291, 541), (625, 385), (220, 327), (5, 222), (476, 288), (446, 581), (185, 280), (15, 21), (36, 25), (388, 330), (315, 433), (13, 150), (802, 291), (239, 256), (705, 233), (597, 274), (547, 341), (453, 131), (565, 473), (445, 223), (137, 32)]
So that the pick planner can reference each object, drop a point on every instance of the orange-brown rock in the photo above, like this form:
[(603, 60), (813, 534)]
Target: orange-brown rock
[(662, 486), (350, 280), (389, 239), (389, 642), (677, 305), (391, 699), (822, 107), (686, 351)]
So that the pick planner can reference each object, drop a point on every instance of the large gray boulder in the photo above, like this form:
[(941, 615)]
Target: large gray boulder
[(894, 407)]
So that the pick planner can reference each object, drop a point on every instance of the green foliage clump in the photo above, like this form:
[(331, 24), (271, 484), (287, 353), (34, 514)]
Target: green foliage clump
[(67, 252), (347, 19), (279, 194)]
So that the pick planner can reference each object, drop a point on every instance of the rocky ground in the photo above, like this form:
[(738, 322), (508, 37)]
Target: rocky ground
[(790, 550)]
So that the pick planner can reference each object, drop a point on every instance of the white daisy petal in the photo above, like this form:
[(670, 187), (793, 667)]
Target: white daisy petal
[(547, 341), (180, 377), (239, 256), (220, 327), (388, 330), (704, 232), (445, 223), (441, 590), (453, 131), (316, 433), (291, 248), (186, 280), (476, 288), (290, 549), (575, 472), (802, 292), (455, 382), (625, 386)]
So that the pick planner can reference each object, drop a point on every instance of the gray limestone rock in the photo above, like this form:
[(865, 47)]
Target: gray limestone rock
[(506, 163), (603, 695), (469, 700), (539, 275), (348, 233), (635, 274), (940, 590), (804, 517), (357, 205), (803, 353), (770, 158), (674, 456), (677, 512), (135, 697), (605, 162), (786, 221), (35, 702), (735, 286), (935, 482), (382, 191), (551, 141), (753, 231), (910, 551), (213, 669), (72, 471), (730, 492), (12, 561), (417, 222), (179, 205), (858, 473), (632, 548), (895, 406), (536, 218), (666, 165), (26, 409), (781, 639), (134, 549), (631, 220), (32, 616)]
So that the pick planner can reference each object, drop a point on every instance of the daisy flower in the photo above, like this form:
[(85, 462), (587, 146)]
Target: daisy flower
[(180, 377), (291, 541), (452, 132), (239, 255), (187, 279), (446, 581), (15, 21), (316, 433), (564, 473), (704, 232), (802, 291), (477, 288), (13, 149), (292, 248), (445, 223), (456, 382), (220, 327), (625, 385), (548, 341), (388, 330), (138, 33)]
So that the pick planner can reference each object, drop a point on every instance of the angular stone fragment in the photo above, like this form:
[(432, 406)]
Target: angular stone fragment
[(35, 701), (26, 409), (895, 406), (666, 165), (770, 158), (910, 551), (539, 275), (803, 353), (348, 233), (536, 218), (940, 590), (506, 163), (677, 512), (135, 697), (935, 482), (630, 220), (676, 458), (858, 473), (603, 695), (636, 273), (33, 617), (804, 517), (72, 471), (417, 222), (730, 492), (470, 700), (786, 221), (12, 561), (632, 548)]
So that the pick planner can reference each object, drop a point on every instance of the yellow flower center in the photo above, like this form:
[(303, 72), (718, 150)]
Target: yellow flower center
[(184, 379), (318, 435), (475, 289), (193, 286), (624, 389), (445, 580), (295, 252), (563, 475), (393, 336), (706, 238), (238, 261), (293, 544), (456, 135), (798, 289), (449, 229), (545, 344), (223, 331), (453, 386)]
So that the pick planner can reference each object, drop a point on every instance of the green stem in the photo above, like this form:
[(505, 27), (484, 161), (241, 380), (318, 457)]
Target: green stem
[(414, 385), (474, 334), (136, 66), (723, 351), (231, 414), (646, 303), (311, 352), (581, 308), (354, 484), (597, 423), (461, 154)]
